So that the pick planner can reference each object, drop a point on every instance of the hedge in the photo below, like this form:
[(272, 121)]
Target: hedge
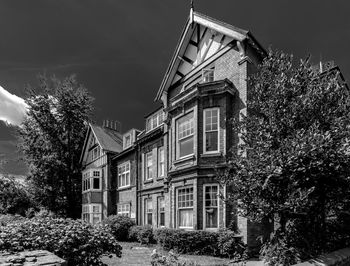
[(142, 234), (77, 242), (120, 225)]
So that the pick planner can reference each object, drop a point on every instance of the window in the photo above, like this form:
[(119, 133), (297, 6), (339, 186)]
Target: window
[(148, 211), (127, 141), (211, 130), (154, 121), (185, 207), (208, 75), (211, 210), (161, 162), (86, 181), (95, 153), (124, 209), (149, 164), (124, 175), (185, 135), (96, 180), (92, 213), (161, 211)]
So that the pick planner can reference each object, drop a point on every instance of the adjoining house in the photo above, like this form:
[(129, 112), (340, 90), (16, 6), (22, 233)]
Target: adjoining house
[(164, 175)]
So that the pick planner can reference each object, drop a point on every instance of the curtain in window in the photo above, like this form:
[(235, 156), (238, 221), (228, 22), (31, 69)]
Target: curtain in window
[(186, 218)]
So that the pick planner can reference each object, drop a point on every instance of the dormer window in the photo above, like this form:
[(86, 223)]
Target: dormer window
[(154, 121), (208, 75), (95, 153), (127, 141)]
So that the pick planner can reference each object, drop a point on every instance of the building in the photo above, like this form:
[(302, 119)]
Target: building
[(165, 174)]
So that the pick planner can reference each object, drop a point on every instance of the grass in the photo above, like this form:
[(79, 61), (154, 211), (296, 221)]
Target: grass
[(136, 254)]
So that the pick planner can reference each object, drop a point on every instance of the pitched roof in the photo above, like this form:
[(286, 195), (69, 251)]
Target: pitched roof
[(188, 35), (110, 140)]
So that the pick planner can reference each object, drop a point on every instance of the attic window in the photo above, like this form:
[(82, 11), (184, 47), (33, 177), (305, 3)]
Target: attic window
[(154, 121), (208, 75), (127, 141), (95, 153)]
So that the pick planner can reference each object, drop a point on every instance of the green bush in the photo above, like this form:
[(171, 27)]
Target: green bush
[(120, 226), (230, 245), (142, 234), (77, 242), (9, 218), (223, 243)]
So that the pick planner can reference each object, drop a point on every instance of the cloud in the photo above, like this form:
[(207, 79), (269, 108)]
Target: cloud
[(12, 107)]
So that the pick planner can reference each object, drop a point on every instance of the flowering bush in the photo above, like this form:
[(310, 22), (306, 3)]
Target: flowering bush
[(170, 260), (76, 242), (120, 226)]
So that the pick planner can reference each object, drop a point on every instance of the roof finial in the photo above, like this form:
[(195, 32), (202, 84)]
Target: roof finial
[(191, 13)]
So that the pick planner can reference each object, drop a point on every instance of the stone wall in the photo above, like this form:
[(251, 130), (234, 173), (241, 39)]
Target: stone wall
[(31, 258)]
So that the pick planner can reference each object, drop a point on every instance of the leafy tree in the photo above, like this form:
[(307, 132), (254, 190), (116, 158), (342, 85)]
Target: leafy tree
[(293, 160), (51, 138), (14, 197)]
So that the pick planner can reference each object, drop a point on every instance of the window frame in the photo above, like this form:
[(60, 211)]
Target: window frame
[(204, 207), (125, 146), (127, 211), (161, 164), (147, 212), (191, 135), (125, 164), (205, 131), (98, 154), (90, 213), (210, 74), (160, 212), (88, 180), (147, 176), (154, 121), (178, 209)]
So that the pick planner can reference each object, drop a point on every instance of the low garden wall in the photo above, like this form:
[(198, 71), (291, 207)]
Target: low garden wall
[(340, 257), (31, 258)]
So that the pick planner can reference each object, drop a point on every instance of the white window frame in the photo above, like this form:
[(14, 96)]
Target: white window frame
[(205, 131), (125, 145), (93, 176), (98, 153), (191, 135), (88, 180), (161, 163), (148, 154), (147, 211), (159, 211), (90, 212), (123, 209), (154, 121), (204, 207), (124, 172), (184, 208)]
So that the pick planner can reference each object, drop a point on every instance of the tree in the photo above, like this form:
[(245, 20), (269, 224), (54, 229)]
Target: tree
[(293, 160), (51, 138)]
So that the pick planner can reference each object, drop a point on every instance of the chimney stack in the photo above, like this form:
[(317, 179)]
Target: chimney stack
[(112, 124)]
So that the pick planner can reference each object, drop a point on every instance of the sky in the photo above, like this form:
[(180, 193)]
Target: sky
[(120, 49)]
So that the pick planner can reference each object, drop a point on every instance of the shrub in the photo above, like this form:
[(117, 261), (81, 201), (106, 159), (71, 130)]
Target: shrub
[(9, 218), (120, 226), (230, 245), (77, 242), (142, 234), (223, 243), (170, 260)]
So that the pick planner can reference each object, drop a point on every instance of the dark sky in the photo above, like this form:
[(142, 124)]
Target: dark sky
[(120, 49)]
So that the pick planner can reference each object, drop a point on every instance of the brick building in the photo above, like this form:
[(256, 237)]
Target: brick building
[(164, 175)]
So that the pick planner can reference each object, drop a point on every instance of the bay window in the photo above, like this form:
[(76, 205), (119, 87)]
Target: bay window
[(161, 211), (211, 206), (96, 213), (148, 211), (92, 213), (148, 166), (124, 209), (96, 180), (92, 180), (185, 135), (185, 207), (161, 161), (211, 130), (124, 175)]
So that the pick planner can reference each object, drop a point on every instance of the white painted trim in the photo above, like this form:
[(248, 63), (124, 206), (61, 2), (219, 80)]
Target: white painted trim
[(119, 166), (204, 133), (177, 155), (218, 207), (184, 208)]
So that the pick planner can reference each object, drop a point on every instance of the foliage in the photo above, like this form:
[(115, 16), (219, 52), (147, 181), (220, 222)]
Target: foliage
[(141, 233), (51, 138), (77, 242), (14, 197), (120, 225), (223, 243), (170, 260), (292, 160), (10, 218)]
